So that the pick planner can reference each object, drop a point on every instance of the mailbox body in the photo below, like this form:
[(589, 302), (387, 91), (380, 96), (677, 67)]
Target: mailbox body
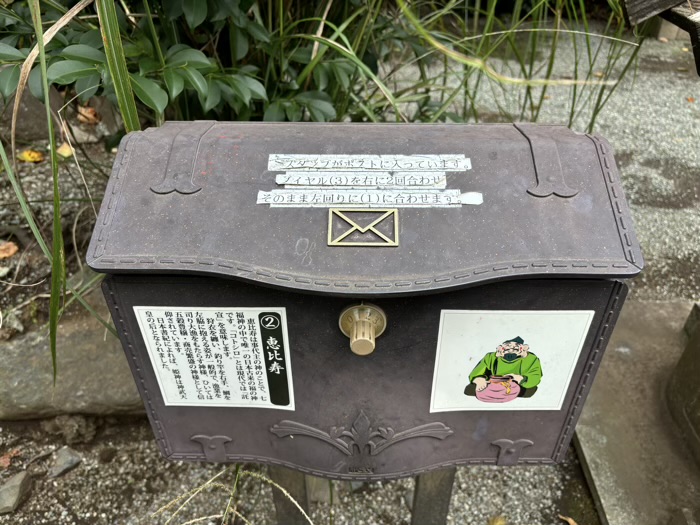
[(189, 238)]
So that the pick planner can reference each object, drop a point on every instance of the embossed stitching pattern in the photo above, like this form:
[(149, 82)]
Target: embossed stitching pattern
[(376, 477), (160, 435), (308, 282), (611, 178), (572, 417), (115, 194)]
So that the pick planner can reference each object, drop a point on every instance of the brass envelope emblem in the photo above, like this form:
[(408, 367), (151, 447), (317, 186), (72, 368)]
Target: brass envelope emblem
[(363, 227)]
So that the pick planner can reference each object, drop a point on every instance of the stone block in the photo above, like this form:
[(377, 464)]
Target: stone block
[(93, 375)]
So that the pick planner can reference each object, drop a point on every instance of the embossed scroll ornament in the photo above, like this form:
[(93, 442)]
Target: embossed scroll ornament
[(362, 437), (214, 447), (510, 451)]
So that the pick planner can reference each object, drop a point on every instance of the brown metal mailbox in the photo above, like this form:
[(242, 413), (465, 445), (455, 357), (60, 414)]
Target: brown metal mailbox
[(364, 301)]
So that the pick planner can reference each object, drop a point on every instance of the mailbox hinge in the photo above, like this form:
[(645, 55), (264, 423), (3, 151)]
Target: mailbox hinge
[(214, 447), (510, 451), (179, 174), (545, 155)]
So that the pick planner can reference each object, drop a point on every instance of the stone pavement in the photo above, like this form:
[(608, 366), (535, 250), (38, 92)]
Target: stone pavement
[(640, 469), (93, 375)]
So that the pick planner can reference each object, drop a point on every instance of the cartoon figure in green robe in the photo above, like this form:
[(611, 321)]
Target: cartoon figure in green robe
[(511, 371)]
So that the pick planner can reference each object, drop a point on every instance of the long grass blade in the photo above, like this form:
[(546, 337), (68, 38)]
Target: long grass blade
[(319, 52), (78, 297), (480, 64), (156, 46), (58, 259), (284, 492), (551, 60), (116, 62), (229, 505), (551, 30), (189, 495), (349, 54)]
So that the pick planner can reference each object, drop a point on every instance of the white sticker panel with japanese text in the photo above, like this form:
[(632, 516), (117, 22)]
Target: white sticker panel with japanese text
[(219, 357), (508, 359), (367, 181)]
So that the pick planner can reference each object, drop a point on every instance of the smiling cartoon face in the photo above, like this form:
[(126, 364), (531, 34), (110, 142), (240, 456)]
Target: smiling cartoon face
[(512, 349)]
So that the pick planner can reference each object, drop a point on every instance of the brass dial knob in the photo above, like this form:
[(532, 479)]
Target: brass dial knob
[(362, 323)]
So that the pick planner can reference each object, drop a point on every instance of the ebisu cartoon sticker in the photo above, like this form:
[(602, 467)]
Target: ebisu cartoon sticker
[(506, 359), (509, 372)]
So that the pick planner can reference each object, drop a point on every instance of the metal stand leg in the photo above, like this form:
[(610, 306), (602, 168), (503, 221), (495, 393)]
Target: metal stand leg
[(318, 490), (293, 482), (431, 499)]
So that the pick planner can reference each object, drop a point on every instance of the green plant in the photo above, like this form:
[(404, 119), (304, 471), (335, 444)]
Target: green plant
[(255, 60)]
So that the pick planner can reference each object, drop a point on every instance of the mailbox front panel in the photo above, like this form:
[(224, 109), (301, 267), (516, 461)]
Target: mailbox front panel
[(392, 413)]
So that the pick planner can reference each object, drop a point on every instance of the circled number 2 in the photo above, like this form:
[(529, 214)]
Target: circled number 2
[(270, 322)]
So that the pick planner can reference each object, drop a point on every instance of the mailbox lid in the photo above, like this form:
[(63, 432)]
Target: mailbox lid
[(507, 201)]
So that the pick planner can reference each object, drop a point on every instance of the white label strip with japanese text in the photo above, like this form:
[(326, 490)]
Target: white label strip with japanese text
[(356, 179), (332, 198), (366, 181), (324, 162), (219, 357)]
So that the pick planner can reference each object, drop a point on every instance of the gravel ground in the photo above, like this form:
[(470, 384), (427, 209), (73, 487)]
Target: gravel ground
[(653, 125)]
